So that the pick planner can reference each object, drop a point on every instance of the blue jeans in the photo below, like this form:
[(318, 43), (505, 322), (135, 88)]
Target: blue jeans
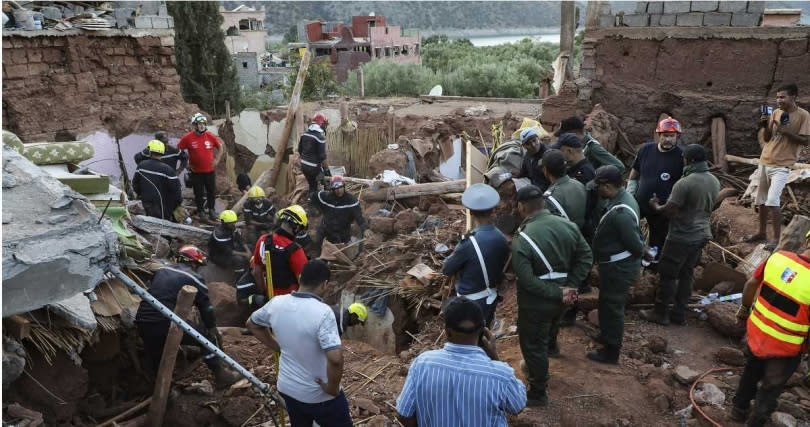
[(332, 413)]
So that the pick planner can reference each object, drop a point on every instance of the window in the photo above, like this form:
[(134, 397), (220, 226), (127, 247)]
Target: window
[(405, 50), (232, 31), (244, 64), (244, 24), (388, 52), (377, 52)]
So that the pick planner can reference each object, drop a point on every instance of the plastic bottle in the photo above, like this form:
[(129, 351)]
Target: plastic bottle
[(37, 22)]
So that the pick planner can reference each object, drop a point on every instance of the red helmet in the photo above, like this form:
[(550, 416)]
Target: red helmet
[(336, 182), (320, 119), (191, 254), (668, 125)]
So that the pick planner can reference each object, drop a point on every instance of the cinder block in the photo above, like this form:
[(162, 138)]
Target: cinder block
[(124, 13), (756, 6), (676, 7), (606, 21), (160, 22), (162, 10), (605, 9), (732, 6), (150, 7), (704, 6), (716, 19), (170, 20), (667, 20), (640, 20), (745, 19), (141, 22), (692, 19), (655, 7), (655, 20), (641, 7), (51, 12), (167, 41)]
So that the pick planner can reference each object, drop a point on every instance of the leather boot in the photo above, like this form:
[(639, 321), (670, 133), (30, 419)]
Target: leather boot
[(655, 315), (569, 318), (224, 377), (213, 214), (536, 398), (607, 354)]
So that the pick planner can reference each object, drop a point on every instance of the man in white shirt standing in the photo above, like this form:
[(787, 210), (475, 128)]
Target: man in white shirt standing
[(304, 330)]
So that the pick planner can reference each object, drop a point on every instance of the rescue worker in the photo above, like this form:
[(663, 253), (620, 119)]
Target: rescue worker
[(594, 151), (157, 185), (618, 247), (287, 258), (579, 167), (226, 247), (171, 156), (566, 198), (689, 209), (657, 167), (153, 326), (532, 167), (312, 149), (479, 258), (204, 152), (259, 214), (340, 209), (550, 258), (356, 314), (776, 330)]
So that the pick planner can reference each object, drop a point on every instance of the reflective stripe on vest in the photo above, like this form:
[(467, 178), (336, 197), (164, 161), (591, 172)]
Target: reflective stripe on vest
[(780, 320)]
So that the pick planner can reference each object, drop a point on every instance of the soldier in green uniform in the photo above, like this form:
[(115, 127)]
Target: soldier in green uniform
[(550, 258), (566, 197), (618, 247)]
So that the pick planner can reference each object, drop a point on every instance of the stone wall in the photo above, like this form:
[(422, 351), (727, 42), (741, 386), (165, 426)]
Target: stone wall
[(73, 83), (686, 14), (693, 74)]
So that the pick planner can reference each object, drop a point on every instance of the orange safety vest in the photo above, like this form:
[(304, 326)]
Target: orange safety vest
[(780, 318)]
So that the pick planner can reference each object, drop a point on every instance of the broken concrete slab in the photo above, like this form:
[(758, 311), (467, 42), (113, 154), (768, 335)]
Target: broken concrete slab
[(45, 263), (77, 311), (186, 233)]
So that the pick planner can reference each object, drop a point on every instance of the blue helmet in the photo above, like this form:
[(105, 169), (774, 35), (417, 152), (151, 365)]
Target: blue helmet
[(527, 133)]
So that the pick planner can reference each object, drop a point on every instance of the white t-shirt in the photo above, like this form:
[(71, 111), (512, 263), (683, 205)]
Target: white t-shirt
[(306, 329)]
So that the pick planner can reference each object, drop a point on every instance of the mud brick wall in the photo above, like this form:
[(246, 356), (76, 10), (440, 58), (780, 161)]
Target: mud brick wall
[(76, 84), (693, 74)]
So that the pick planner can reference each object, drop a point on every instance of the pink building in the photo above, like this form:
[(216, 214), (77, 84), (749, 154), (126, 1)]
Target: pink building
[(368, 39)]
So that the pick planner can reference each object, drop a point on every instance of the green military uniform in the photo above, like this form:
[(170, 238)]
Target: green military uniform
[(618, 247), (567, 198), (598, 156), (566, 260)]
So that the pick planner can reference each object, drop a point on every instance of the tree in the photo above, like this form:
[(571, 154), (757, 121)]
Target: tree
[(319, 83), (207, 73), (291, 36)]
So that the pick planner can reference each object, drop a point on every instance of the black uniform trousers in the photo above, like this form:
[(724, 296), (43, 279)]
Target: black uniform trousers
[(205, 189), (774, 374)]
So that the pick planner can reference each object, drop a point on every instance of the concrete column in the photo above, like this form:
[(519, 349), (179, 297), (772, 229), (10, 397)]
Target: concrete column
[(592, 14), (567, 26)]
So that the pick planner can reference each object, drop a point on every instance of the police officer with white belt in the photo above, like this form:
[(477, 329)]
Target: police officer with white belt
[(480, 257)]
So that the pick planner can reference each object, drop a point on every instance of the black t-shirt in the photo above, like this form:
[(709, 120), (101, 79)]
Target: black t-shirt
[(223, 243), (532, 168), (582, 171), (658, 172), (165, 286)]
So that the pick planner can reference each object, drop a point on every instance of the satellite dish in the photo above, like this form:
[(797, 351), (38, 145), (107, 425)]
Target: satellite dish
[(436, 91)]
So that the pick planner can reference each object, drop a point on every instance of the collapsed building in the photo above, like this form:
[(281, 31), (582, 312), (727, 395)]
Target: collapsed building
[(628, 76)]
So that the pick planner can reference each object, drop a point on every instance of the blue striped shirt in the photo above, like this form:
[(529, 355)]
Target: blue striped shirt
[(460, 385)]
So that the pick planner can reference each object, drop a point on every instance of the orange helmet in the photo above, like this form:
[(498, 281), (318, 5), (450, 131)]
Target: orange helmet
[(319, 119), (336, 182), (191, 254), (668, 125)]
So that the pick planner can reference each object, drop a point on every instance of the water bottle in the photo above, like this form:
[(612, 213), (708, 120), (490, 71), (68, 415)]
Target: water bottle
[(653, 253), (188, 220)]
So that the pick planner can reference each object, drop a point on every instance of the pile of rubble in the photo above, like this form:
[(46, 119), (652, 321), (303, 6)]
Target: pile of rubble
[(90, 16)]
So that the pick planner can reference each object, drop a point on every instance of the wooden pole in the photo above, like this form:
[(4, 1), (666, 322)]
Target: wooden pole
[(163, 381), (567, 29), (414, 190), (392, 136), (592, 14), (719, 143), (126, 413), (361, 82), (755, 162), (269, 177)]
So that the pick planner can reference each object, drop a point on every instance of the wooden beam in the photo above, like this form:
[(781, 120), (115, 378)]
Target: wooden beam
[(431, 98), (17, 326), (474, 168), (269, 177), (186, 233), (755, 162), (163, 382), (719, 143), (126, 413), (414, 190)]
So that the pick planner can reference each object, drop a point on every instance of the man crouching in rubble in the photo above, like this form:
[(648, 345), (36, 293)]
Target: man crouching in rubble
[(153, 326), (776, 331), (480, 257), (340, 208), (550, 258)]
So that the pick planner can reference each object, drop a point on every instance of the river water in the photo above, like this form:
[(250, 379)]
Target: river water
[(497, 40)]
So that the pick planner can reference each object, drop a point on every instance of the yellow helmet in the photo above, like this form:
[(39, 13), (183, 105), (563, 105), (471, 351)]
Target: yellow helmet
[(360, 310), (255, 192), (294, 214), (228, 216), (156, 146)]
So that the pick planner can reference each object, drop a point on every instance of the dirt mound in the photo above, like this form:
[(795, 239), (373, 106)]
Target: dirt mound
[(228, 311), (604, 127), (388, 159)]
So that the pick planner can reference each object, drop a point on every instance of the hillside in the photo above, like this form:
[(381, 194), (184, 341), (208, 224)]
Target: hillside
[(430, 15)]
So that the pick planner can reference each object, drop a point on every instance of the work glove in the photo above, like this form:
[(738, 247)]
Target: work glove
[(632, 186), (742, 313)]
